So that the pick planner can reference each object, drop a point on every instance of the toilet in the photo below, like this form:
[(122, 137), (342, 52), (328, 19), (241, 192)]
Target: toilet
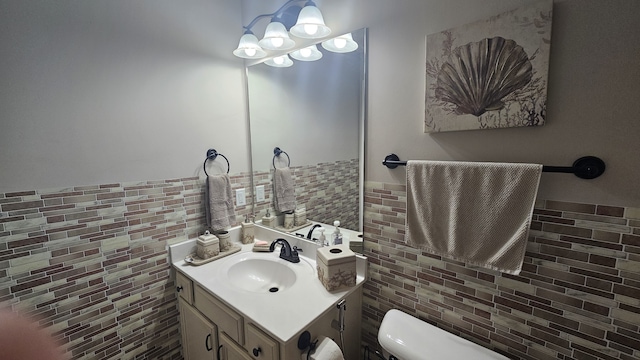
[(408, 338)]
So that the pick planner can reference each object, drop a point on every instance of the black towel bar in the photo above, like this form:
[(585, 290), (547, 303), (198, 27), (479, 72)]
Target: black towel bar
[(212, 154), (586, 167)]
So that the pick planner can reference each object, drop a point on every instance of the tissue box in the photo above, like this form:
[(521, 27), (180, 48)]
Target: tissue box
[(336, 267), (208, 246)]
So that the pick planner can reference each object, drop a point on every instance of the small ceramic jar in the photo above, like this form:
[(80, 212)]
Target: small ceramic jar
[(208, 246), (288, 221)]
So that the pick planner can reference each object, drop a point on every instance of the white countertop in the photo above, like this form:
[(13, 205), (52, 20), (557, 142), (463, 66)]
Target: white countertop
[(282, 314)]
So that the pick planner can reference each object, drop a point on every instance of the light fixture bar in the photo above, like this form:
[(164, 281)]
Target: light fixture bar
[(310, 25)]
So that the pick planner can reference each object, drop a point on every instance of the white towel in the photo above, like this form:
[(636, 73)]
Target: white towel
[(219, 202), (284, 192), (474, 212)]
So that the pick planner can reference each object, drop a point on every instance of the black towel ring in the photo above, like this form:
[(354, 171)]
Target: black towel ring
[(212, 154), (276, 153)]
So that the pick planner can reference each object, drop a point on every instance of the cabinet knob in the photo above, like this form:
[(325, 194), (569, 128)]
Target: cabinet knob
[(256, 351), (179, 288)]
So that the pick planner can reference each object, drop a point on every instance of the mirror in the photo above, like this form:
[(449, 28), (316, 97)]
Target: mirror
[(314, 111)]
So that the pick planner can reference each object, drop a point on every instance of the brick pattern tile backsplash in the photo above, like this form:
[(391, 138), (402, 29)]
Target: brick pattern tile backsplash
[(91, 262), (329, 191), (578, 296)]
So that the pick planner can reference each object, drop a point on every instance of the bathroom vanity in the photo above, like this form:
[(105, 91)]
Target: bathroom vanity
[(254, 305)]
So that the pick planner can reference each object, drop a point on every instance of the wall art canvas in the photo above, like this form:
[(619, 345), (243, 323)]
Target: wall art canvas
[(490, 74)]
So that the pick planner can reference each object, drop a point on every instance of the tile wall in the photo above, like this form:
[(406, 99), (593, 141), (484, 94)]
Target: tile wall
[(91, 262), (338, 199), (578, 296)]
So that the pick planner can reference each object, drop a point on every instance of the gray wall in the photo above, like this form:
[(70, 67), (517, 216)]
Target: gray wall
[(95, 92), (107, 91)]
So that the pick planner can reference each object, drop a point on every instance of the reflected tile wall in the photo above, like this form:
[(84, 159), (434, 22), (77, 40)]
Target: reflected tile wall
[(578, 296), (91, 262), (329, 191)]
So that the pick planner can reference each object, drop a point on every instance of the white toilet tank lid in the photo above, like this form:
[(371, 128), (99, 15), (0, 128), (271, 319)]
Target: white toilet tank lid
[(409, 338)]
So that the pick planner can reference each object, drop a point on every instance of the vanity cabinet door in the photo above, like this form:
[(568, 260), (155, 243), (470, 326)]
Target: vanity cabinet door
[(230, 351), (199, 335)]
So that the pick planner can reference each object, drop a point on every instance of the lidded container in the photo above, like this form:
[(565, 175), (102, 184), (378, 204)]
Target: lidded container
[(208, 245), (336, 267)]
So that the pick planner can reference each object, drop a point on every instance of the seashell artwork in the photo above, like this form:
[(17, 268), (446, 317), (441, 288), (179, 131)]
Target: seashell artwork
[(479, 75), (490, 74)]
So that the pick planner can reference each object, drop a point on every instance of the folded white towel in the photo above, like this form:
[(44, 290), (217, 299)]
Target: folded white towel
[(219, 202), (474, 212), (284, 191)]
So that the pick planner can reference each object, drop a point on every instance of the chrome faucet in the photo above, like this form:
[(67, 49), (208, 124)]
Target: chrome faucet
[(311, 231), (286, 252)]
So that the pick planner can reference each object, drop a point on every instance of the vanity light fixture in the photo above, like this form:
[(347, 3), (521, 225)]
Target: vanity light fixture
[(341, 44), (309, 25), (309, 53), (280, 61)]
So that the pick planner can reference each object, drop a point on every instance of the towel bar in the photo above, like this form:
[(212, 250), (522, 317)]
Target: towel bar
[(586, 167), (212, 154)]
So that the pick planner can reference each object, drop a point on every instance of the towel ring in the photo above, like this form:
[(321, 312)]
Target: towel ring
[(276, 153), (212, 154)]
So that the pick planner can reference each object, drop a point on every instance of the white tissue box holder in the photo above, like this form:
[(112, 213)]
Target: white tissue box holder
[(336, 267), (208, 246)]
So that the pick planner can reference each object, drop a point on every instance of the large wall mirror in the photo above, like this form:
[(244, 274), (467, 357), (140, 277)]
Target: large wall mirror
[(314, 111)]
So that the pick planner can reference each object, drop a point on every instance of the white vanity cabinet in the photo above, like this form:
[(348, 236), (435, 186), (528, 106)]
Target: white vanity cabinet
[(210, 327)]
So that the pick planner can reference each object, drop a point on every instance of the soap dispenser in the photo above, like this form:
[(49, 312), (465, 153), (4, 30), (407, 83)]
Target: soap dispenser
[(248, 234), (268, 220), (336, 237), (322, 241)]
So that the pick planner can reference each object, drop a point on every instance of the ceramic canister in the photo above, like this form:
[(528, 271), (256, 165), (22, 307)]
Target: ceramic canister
[(208, 246), (225, 242), (300, 216), (288, 221)]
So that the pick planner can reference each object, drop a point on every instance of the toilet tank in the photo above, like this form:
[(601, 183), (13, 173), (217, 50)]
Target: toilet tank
[(408, 338)]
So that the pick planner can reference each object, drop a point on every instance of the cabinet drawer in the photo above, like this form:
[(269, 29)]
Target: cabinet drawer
[(230, 351), (184, 286), (227, 320), (260, 345)]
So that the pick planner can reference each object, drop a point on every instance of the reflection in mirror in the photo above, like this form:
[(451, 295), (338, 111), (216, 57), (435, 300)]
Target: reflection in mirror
[(313, 111)]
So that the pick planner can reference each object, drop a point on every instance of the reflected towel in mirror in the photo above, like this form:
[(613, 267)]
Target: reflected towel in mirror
[(284, 191), (219, 202)]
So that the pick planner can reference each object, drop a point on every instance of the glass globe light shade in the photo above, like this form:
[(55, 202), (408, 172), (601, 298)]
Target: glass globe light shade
[(276, 37), (310, 24), (248, 47)]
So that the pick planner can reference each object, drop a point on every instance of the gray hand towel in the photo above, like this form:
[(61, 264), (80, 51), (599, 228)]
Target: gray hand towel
[(219, 202), (284, 191), (474, 212)]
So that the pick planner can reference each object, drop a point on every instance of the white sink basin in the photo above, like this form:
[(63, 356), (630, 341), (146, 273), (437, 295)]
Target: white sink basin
[(265, 272)]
